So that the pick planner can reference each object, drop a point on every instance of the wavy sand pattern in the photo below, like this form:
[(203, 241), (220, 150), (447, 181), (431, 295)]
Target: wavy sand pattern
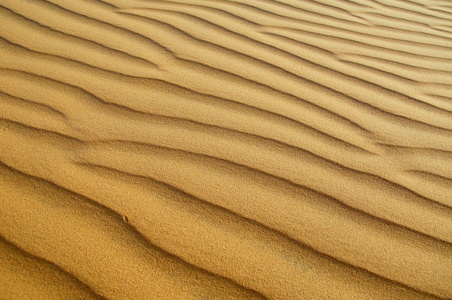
[(226, 149)]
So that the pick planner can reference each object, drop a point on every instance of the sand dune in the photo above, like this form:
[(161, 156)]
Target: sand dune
[(226, 149)]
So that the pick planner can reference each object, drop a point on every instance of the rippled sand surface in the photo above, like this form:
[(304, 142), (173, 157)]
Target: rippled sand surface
[(225, 149)]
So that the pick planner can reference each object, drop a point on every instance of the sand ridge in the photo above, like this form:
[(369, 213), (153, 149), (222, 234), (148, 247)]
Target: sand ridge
[(226, 149)]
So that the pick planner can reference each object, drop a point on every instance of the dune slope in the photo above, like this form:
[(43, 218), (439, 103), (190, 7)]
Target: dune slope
[(226, 149)]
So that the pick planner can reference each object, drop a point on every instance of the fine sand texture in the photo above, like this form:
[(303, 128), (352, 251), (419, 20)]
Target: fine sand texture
[(226, 149)]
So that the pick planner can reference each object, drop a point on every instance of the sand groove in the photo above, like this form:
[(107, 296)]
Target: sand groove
[(225, 149), (24, 277)]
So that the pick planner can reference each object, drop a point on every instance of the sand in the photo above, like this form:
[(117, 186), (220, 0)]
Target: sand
[(226, 149)]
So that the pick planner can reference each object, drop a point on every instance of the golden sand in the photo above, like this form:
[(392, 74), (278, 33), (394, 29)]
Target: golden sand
[(225, 149)]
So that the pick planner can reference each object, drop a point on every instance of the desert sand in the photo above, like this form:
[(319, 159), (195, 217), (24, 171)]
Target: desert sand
[(226, 149)]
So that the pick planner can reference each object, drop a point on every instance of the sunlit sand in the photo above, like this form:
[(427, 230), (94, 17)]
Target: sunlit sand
[(225, 149)]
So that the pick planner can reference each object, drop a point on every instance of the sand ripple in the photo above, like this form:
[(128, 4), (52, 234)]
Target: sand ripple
[(226, 149)]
